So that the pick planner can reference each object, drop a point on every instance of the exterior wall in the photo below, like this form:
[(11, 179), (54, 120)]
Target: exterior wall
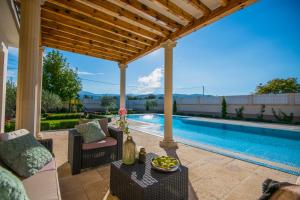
[(288, 103)]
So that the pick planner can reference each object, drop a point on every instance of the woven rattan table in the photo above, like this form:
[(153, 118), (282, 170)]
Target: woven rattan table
[(139, 181)]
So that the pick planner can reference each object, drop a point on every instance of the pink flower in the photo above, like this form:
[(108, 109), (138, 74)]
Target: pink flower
[(122, 111)]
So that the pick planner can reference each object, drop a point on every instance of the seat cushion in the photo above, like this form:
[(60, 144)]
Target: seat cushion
[(24, 155), (90, 131), (11, 187), (108, 141), (43, 185)]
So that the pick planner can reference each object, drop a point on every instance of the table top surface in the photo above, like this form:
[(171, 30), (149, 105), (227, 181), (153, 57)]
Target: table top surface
[(143, 174)]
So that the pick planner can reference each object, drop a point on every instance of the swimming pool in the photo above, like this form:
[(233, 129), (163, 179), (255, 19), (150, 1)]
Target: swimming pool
[(274, 148)]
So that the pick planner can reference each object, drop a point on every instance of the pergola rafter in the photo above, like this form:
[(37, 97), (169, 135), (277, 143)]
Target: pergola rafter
[(124, 15), (128, 29), (94, 36)]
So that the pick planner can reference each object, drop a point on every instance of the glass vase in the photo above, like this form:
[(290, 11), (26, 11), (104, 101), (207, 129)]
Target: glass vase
[(129, 151)]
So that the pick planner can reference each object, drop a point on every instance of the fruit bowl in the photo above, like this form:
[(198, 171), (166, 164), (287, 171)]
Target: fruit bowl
[(165, 164)]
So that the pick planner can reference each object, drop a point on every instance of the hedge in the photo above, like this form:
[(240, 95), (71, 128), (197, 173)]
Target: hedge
[(58, 124), (9, 126), (96, 116), (57, 116)]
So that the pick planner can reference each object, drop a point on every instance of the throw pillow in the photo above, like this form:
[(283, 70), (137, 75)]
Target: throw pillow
[(90, 131), (104, 125), (13, 134), (24, 155), (11, 188)]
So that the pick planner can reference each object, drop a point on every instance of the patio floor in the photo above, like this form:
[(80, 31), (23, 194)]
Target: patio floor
[(211, 176)]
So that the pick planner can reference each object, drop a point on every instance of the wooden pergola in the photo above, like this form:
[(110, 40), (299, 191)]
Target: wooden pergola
[(116, 30), (124, 30)]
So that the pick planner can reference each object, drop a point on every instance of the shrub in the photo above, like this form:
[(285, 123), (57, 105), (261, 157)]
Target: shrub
[(58, 124), (57, 116), (282, 117), (9, 126), (45, 125), (68, 124), (239, 112), (174, 107), (224, 108), (96, 116), (150, 104), (261, 113), (50, 102)]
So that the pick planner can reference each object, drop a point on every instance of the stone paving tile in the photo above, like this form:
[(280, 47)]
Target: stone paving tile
[(211, 176)]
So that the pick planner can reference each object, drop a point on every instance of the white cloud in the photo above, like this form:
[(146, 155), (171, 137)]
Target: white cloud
[(148, 84), (89, 73)]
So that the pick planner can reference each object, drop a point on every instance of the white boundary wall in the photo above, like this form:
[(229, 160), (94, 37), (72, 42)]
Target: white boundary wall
[(288, 103)]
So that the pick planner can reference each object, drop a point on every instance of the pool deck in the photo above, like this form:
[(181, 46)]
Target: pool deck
[(211, 176)]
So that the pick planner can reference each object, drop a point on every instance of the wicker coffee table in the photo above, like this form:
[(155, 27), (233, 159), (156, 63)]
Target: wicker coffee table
[(139, 181)]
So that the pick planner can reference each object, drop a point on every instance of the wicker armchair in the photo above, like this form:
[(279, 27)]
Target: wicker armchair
[(80, 158)]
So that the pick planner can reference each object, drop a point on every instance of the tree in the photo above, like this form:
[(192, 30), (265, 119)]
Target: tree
[(109, 102), (50, 102), (150, 96), (279, 86), (11, 93), (150, 104), (59, 78), (174, 107), (224, 108)]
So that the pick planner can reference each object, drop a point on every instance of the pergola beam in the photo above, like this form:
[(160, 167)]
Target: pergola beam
[(141, 8), (93, 14), (118, 37), (76, 50), (223, 2), (84, 44), (124, 15), (69, 15), (199, 5), (174, 10), (57, 33), (74, 44), (88, 34)]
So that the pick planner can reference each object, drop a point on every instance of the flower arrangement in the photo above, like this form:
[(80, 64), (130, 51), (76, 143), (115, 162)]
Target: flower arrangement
[(122, 122)]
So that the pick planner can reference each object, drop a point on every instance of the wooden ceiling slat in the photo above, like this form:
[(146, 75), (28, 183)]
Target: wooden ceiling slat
[(98, 16), (174, 10), (75, 50), (88, 34), (76, 40), (216, 14), (124, 15), (87, 21), (81, 47), (223, 2), (201, 6), (59, 33), (78, 46), (92, 29), (149, 11)]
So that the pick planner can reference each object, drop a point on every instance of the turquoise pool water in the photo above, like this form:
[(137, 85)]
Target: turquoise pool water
[(278, 149)]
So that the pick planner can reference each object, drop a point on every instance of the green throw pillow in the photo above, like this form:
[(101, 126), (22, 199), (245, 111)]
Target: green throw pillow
[(25, 155), (11, 188), (90, 131)]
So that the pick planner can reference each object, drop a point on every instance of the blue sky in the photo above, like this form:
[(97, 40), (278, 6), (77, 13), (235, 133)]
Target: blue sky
[(228, 57)]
